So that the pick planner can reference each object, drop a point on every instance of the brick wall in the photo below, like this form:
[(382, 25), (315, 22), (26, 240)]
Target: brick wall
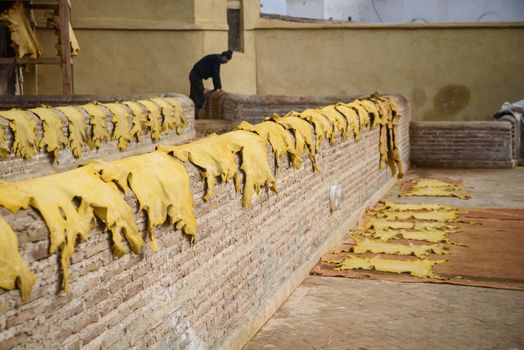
[(16, 168), (462, 144), (213, 294), (253, 108)]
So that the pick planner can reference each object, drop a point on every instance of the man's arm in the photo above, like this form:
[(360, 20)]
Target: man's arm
[(216, 75)]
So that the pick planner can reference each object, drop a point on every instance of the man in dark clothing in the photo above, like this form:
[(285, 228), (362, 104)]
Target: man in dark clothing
[(207, 67)]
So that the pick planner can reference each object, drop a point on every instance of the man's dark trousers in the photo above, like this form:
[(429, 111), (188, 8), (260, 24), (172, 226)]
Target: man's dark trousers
[(196, 91)]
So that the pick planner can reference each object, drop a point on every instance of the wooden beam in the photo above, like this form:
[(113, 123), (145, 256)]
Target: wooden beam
[(65, 47)]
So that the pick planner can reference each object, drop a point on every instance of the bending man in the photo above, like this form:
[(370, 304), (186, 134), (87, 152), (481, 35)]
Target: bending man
[(206, 67)]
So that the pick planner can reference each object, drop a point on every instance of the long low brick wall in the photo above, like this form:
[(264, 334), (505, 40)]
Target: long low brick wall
[(212, 294), (253, 108), (462, 144), (14, 167)]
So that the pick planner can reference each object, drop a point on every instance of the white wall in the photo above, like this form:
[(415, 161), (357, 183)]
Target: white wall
[(410, 11), (278, 7), (306, 8)]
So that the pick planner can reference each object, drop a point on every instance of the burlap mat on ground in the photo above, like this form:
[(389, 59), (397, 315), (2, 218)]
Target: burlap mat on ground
[(493, 255)]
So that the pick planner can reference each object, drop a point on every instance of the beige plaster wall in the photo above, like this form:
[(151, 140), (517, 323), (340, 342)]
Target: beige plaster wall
[(133, 47), (447, 72)]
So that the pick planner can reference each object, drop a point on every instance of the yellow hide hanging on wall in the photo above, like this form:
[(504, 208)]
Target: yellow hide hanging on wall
[(161, 185), (53, 137), (98, 121), (23, 126), (69, 203), (302, 132), (216, 156), (120, 119), (154, 117), (172, 112), (140, 122), (279, 139), (77, 129), (13, 269), (23, 38), (4, 147)]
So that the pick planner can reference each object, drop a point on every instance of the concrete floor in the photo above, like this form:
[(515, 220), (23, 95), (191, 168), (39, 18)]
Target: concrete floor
[(341, 313)]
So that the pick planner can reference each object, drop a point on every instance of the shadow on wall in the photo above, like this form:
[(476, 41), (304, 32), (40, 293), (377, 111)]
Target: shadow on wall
[(448, 102)]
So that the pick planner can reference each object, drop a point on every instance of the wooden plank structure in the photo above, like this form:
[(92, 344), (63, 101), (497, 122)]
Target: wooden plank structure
[(64, 59)]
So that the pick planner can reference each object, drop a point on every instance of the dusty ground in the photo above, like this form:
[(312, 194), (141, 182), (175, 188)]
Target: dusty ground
[(341, 313)]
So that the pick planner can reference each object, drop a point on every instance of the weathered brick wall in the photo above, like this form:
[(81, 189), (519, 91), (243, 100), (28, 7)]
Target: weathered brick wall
[(462, 144), (16, 168), (213, 294), (253, 108)]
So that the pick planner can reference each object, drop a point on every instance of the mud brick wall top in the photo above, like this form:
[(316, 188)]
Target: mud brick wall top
[(462, 144)]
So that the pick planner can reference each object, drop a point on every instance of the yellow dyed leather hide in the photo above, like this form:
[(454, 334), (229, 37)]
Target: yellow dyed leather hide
[(279, 139), (13, 269), (98, 121), (68, 203), (23, 37), (77, 129), (154, 117), (120, 119), (421, 268), (24, 128), (53, 135), (161, 185)]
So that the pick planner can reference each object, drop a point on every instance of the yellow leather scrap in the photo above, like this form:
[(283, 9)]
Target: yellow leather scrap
[(13, 269), (433, 236), (446, 216), (4, 147), (23, 126), (172, 116), (140, 122), (372, 110), (302, 132), (161, 185), (73, 41), (257, 173), (216, 156), (213, 155), (363, 115), (379, 247), (322, 126), (418, 206), (383, 223), (120, 119), (352, 119), (53, 137), (68, 203), (340, 124), (23, 38), (77, 129), (278, 137), (436, 188), (98, 121), (178, 109), (421, 268), (153, 117)]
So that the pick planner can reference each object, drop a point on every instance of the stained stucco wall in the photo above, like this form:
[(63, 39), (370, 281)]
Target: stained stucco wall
[(447, 72), (134, 47)]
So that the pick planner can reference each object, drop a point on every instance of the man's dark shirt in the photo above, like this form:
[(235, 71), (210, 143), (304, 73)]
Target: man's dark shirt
[(207, 67)]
